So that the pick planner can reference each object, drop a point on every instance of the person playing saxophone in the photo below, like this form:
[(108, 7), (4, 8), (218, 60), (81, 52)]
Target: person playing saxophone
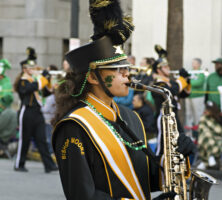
[(99, 145)]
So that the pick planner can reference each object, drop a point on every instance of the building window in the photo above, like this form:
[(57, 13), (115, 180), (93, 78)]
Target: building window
[(65, 47)]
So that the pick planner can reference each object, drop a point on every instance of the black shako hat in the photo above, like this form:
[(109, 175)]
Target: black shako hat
[(111, 30), (162, 58), (100, 53), (31, 58)]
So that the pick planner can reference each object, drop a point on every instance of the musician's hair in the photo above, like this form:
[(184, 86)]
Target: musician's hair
[(69, 86), (214, 110), (53, 67), (16, 83), (198, 60)]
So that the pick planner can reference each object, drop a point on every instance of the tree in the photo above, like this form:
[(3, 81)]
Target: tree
[(175, 41), (175, 34)]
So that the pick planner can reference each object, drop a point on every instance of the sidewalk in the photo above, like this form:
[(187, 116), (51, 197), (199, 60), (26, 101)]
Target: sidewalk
[(34, 185)]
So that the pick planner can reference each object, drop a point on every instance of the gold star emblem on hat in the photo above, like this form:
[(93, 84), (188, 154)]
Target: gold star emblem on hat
[(119, 50)]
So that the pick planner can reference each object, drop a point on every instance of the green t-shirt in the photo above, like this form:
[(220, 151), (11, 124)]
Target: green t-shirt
[(213, 81), (6, 95), (197, 86)]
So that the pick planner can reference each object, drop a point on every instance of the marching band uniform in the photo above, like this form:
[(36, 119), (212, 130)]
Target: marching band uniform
[(31, 122), (179, 89), (96, 173), (99, 145)]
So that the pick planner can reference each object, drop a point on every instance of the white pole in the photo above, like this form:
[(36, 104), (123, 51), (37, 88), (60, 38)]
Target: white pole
[(220, 91)]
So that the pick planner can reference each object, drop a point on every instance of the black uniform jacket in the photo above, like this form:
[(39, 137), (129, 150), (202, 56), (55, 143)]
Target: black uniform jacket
[(26, 91), (177, 89), (85, 173), (147, 115)]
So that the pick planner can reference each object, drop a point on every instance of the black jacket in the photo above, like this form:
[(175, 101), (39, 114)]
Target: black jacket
[(147, 115), (26, 91), (85, 177)]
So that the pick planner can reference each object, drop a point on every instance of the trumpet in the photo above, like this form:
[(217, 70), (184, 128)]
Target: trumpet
[(193, 73), (53, 73), (57, 72), (135, 70)]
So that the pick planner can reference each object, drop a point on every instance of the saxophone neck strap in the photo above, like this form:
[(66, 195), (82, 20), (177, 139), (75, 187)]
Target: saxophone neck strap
[(147, 150)]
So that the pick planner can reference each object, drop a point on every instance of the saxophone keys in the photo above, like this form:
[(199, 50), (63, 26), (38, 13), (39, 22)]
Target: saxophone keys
[(171, 122), (174, 142), (176, 168), (172, 114), (176, 160), (177, 197), (177, 190)]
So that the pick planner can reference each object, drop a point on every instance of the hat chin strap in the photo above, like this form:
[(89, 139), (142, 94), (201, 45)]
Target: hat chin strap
[(108, 93)]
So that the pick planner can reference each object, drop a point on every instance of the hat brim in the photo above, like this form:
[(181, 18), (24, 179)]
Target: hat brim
[(217, 61), (120, 64)]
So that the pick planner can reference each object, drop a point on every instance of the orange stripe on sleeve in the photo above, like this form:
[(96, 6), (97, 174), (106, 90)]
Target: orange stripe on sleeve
[(182, 83), (42, 82)]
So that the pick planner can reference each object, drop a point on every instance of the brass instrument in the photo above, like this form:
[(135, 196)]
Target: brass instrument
[(175, 166), (193, 73), (200, 185), (55, 72), (135, 70)]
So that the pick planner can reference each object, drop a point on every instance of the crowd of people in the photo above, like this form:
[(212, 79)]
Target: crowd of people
[(202, 94), (199, 89)]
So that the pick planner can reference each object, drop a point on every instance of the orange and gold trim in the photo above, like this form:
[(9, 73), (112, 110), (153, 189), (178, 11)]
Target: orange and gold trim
[(107, 111), (182, 83), (111, 147)]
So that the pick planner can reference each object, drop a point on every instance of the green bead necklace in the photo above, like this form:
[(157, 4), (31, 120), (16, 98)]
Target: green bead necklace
[(131, 145)]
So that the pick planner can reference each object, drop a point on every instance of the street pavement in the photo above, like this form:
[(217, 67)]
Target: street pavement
[(34, 185), (37, 185)]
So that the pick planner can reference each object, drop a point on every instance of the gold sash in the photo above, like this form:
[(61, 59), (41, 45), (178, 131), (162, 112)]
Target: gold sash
[(112, 148)]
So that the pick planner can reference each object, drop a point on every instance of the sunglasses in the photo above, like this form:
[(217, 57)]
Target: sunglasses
[(121, 70)]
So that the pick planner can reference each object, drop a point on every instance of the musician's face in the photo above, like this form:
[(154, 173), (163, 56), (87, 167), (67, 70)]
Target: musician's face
[(195, 65), (165, 70), (115, 80), (143, 62), (137, 103), (218, 68), (28, 70)]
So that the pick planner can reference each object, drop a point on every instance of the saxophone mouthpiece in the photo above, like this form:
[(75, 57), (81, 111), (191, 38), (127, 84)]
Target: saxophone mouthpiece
[(135, 84)]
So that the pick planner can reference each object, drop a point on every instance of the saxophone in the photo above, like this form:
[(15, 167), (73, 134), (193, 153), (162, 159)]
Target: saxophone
[(175, 165)]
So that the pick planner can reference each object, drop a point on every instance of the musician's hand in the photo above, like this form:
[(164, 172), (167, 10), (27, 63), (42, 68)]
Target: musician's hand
[(188, 80), (166, 195), (186, 145), (184, 73), (46, 74)]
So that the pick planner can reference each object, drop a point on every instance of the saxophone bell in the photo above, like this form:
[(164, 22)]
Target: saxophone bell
[(200, 185)]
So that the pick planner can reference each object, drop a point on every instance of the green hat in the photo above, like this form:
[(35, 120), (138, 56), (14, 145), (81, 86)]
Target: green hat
[(218, 60), (4, 64)]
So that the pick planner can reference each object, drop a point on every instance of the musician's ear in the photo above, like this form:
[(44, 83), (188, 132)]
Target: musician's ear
[(92, 79)]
